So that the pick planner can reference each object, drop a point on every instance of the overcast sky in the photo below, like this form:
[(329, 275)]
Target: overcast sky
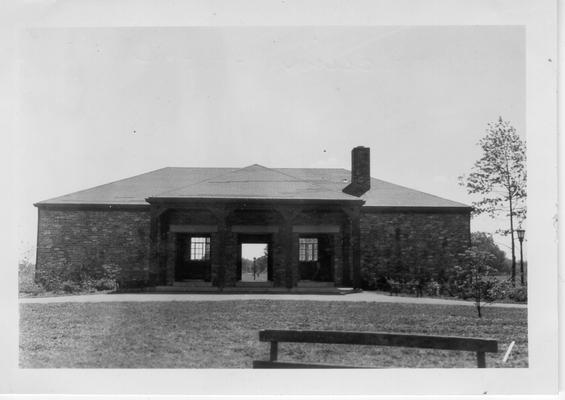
[(97, 105)]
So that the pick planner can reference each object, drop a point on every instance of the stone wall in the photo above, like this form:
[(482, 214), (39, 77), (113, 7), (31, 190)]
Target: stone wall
[(411, 242), (77, 239)]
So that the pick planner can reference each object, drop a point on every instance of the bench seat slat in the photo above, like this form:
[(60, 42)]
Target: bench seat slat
[(381, 339), (283, 365)]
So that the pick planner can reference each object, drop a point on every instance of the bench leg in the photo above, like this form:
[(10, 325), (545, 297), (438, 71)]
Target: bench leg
[(481, 361), (274, 351)]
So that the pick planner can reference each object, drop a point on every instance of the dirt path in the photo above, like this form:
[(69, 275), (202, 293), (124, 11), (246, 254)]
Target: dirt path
[(363, 296)]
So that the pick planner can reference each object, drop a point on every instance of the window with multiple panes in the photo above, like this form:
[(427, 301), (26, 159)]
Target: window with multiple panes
[(308, 248), (199, 248)]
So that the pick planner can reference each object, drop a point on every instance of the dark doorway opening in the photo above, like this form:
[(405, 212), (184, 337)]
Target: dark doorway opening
[(255, 261), (193, 257), (315, 258)]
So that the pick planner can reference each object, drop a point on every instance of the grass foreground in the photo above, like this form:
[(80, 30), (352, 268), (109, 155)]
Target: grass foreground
[(224, 334)]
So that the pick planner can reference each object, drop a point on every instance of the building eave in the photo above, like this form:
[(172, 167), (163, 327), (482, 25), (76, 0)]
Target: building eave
[(417, 209), (91, 206), (185, 200)]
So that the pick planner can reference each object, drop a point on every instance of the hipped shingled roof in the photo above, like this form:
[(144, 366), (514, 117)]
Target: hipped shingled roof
[(252, 182)]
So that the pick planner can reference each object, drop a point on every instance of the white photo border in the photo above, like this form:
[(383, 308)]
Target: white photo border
[(540, 19)]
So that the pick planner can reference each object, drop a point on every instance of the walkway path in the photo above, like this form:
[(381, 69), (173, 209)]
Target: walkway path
[(363, 296)]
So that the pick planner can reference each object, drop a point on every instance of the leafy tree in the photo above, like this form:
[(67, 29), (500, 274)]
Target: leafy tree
[(484, 241), (475, 278), (261, 264), (499, 176)]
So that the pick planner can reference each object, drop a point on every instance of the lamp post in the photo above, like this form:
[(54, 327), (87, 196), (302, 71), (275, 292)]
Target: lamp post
[(520, 232)]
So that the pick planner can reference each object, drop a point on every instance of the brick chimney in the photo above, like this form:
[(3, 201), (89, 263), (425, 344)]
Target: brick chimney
[(360, 171)]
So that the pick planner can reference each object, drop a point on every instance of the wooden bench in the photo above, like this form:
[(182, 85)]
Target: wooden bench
[(479, 346)]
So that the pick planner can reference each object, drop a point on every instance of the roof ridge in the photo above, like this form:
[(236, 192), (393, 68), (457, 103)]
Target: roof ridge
[(316, 184), (210, 178), (274, 170), (311, 182), (195, 183), (312, 168), (203, 168)]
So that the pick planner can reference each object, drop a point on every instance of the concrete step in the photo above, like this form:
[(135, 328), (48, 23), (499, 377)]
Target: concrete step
[(192, 283), (348, 290), (314, 284), (255, 290), (319, 290), (185, 289), (253, 284), (249, 290)]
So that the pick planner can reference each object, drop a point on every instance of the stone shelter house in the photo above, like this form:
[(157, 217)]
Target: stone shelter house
[(186, 227)]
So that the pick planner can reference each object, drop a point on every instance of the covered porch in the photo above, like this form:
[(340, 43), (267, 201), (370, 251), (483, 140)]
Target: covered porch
[(311, 246)]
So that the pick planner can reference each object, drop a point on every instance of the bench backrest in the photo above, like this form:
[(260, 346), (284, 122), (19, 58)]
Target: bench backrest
[(480, 346), (380, 339)]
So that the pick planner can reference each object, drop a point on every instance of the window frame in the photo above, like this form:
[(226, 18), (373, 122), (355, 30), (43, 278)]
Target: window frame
[(308, 249), (199, 248)]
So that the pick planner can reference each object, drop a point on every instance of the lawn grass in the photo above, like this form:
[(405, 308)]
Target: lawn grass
[(223, 334)]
